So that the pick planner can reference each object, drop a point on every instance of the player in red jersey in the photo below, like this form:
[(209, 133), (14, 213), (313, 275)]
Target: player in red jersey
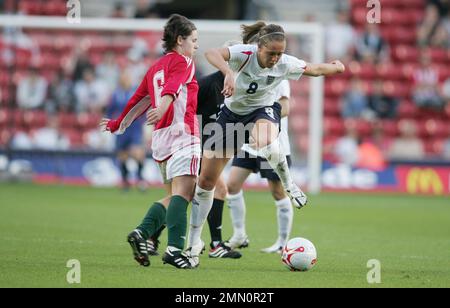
[(168, 93)]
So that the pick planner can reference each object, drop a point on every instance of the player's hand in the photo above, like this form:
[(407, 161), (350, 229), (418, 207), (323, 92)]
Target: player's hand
[(154, 115), (228, 85), (108, 125), (340, 67)]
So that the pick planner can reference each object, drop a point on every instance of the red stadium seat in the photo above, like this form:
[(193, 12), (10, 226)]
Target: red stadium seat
[(390, 128), (405, 53), (333, 126)]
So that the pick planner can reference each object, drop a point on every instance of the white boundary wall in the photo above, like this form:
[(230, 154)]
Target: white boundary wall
[(224, 30)]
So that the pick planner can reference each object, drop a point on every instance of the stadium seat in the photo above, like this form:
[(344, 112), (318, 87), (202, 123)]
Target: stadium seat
[(34, 119)]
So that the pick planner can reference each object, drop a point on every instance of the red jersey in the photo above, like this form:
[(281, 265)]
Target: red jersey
[(173, 74)]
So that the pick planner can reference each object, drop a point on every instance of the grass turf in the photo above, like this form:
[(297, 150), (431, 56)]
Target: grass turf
[(42, 227)]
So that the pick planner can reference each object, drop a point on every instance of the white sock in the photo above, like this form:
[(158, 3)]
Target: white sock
[(285, 214), (201, 205), (236, 203), (277, 160)]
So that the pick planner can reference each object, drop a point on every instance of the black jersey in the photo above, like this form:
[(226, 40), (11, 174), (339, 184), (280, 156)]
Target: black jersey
[(210, 99)]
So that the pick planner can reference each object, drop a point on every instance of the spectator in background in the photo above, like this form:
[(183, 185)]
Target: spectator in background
[(346, 147), (407, 146), (354, 102), (61, 93), (31, 90), (148, 9), (426, 84), (446, 150), (80, 63), (340, 37), (136, 68), (446, 91), (108, 70), (371, 47), (50, 137), (91, 94), (429, 31), (99, 141), (130, 144), (119, 11), (371, 152), (382, 104)]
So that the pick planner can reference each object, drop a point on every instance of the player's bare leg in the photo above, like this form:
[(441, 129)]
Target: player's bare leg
[(266, 144), (211, 169)]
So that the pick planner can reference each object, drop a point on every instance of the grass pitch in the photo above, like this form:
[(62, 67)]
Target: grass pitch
[(42, 227)]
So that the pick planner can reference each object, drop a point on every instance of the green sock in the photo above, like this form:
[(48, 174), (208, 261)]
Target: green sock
[(177, 221), (155, 218)]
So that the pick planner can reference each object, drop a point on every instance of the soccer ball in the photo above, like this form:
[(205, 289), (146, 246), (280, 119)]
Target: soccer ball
[(299, 254)]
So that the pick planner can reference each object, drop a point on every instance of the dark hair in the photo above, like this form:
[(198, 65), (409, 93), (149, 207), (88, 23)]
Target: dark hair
[(177, 25), (261, 33)]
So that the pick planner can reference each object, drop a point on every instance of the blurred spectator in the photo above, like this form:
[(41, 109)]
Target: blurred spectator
[(446, 150), (340, 38), (119, 11), (80, 63), (91, 94), (142, 8), (446, 91), (31, 90), (346, 147), (371, 47), (99, 141), (136, 68), (108, 70), (426, 84), (430, 30), (130, 144), (407, 146), (382, 104), (147, 9), (354, 102), (371, 152), (21, 141), (50, 137), (61, 93)]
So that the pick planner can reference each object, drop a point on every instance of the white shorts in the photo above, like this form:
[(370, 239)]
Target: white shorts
[(183, 162)]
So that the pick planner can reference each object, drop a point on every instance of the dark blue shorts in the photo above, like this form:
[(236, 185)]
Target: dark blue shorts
[(129, 139), (231, 130), (258, 164)]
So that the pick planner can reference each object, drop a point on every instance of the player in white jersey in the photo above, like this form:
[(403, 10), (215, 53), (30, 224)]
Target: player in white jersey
[(251, 77), (240, 171)]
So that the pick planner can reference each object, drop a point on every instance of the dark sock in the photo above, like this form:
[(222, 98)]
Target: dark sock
[(215, 221), (139, 171), (155, 218), (157, 234), (177, 221), (124, 171)]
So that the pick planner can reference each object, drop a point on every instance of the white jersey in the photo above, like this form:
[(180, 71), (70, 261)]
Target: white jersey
[(284, 90), (255, 86)]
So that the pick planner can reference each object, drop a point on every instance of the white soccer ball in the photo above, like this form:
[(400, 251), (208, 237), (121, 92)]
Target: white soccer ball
[(299, 254)]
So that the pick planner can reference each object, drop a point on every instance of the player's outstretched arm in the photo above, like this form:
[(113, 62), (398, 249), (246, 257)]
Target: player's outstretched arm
[(324, 69), (218, 57)]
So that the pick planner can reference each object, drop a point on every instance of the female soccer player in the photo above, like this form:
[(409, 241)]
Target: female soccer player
[(170, 88), (251, 75), (242, 167)]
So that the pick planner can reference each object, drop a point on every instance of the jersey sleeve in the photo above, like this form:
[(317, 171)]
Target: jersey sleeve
[(136, 106), (240, 55), (296, 67), (177, 76)]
